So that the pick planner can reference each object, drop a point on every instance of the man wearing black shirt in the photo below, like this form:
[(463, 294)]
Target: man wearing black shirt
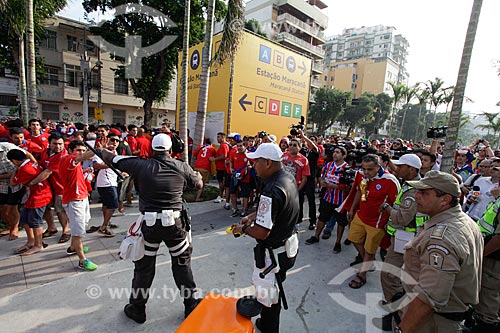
[(311, 152)]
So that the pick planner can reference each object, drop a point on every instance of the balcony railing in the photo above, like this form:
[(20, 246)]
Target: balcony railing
[(302, 43), (315, 32), (317, 66), (315, 83)]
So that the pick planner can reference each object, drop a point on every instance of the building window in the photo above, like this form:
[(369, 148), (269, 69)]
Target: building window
[(121, 86), (73, 75), (387, 36), (332, 78), (326, 77), (90, 47), (354, 77), (51, 76), (50, 111), (50, 40), (118, 117), (91, 112), (72, 44)]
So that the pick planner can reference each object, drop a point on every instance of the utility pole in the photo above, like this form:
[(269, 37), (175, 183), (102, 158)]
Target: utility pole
[(84, 66)]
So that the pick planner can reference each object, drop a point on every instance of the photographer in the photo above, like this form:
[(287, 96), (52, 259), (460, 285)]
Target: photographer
[(311, 152), (336, 188)]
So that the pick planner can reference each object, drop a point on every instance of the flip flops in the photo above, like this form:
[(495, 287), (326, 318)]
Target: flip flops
[(64, 238), (357, 282), (48, 233), (22, 249)]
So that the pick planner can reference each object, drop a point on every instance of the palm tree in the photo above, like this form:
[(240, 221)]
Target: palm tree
[(435, 89), (183, 103), (490, 116), (456, 109), (30, 41), (397, 95), (408, 94), (229, 44), (422, 96)]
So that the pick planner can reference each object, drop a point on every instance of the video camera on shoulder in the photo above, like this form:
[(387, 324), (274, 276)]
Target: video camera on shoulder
[(437, 132), (347, 176), (262, 134), (295, 128)]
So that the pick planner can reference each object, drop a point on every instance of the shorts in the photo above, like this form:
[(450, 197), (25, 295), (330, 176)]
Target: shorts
[(360, 233), (327, 210), (221, 176), (33, 217), (109, 197), (79, 215), (319, 170), (241, 188), (12, 199), (205, 174), (227, 180)]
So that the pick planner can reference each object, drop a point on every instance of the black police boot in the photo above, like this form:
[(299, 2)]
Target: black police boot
[(258, 324), (135, 314), (189, 306)]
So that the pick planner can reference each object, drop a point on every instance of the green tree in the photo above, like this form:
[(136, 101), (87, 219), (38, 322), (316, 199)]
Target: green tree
[(409, 93), (435, 89), (382, 106), (359, 112), (159, 69), (329, 105), (463, 71), (254, 26)]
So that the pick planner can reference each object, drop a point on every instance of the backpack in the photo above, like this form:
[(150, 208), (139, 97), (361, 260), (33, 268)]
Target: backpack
[(177, 144)]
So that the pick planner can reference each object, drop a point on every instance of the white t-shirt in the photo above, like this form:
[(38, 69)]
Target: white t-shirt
[(105, 177)]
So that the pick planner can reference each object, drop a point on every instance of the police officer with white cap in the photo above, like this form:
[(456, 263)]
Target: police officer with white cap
[(161, 181), (444, 259), (273, 226)]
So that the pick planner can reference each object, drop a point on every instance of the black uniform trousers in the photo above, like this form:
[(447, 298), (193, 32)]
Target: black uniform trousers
[(308, 191), (270, 317), (175, 237)]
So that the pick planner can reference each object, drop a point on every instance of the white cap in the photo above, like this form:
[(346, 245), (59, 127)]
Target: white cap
[(161, 142), (410, 160), (272, 137), (268, 151)]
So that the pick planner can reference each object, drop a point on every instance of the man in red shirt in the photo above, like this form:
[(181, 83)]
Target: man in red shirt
[(240, 180), (377, 187), (39, 197), (131, 139), (202, 163), (36, 135), (50, 162), (220, 164), (17, 138), (143, 144), (296, 163), (75, 198)]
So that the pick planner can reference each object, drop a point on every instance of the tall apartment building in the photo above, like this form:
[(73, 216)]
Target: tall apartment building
[(376, 56), (59, 93), (297, 24)]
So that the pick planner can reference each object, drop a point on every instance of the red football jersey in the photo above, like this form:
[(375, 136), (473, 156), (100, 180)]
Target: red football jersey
[(42, 140), (297, 165), (52, 162), (202, 154), (222, 151), (40, 194), (72, 179), (240, 162)]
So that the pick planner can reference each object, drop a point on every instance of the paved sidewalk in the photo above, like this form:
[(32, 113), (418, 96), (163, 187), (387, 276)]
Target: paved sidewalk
[(50, 291)]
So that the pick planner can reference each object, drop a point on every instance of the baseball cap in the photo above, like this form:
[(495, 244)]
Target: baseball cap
[(268, 151), (438, 180), (410, 160), (115, 131), (161, 142)]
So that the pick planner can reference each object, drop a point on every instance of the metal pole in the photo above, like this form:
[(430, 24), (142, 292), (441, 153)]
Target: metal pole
[(84, 65)]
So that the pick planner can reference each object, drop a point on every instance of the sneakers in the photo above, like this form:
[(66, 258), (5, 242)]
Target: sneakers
[(243, 214), (106, 232), (133, 313), (227, 206), (312, 240), (337, 248), (218, 199), (70, 251), (87, 265), (236, 212)]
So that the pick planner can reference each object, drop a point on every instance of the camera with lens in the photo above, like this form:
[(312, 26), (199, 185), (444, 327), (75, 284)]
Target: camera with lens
[(295, 128), (329, 148), (347, 176), (261, 134), (437, 132)]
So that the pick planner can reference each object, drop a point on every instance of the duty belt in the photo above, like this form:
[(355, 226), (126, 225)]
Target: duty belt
[(455, 316)]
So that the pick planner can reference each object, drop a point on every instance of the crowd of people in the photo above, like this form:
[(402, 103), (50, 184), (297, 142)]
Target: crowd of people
[(442, 229)]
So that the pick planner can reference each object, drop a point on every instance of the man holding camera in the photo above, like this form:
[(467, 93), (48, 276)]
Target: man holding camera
[(333, 197), (311, 152)]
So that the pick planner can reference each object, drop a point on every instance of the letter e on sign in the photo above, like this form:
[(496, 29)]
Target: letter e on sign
[(265, 54), (278, 59), (260, 104), (274, 107), (286, 109)]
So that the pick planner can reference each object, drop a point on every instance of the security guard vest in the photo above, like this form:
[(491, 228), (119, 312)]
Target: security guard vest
[(487, 222), (418, 220)]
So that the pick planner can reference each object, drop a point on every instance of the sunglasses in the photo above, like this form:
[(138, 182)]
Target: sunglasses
[(114, 140), (293, 145)]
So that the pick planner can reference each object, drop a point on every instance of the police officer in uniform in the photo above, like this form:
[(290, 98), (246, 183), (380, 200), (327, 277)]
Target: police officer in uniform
[(403, 216), (161, 181), (487, 319), (444, 259), (273, 226)]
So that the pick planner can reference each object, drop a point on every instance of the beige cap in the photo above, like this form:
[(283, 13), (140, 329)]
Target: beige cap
[(438, 180)]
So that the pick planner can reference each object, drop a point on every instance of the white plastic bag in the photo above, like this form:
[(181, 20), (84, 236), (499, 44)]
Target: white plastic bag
[(132, 246)]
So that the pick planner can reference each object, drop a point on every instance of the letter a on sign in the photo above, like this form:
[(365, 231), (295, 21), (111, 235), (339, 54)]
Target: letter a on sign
[(265, 54)]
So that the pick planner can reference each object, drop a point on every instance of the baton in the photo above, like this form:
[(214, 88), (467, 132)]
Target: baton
[(98, 154)]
